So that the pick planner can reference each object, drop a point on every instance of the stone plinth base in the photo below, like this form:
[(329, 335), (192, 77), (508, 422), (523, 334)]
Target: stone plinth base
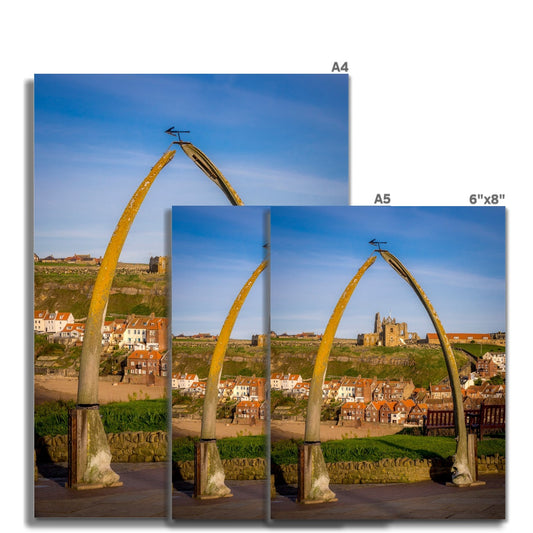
[(208, 472), (89, 457), (469, 475), (313, 477)]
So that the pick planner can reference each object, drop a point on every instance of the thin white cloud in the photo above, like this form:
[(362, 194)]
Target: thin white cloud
[(460, 278), (270, 181)]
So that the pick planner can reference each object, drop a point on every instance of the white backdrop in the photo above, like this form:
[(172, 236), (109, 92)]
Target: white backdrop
[(440, 104)]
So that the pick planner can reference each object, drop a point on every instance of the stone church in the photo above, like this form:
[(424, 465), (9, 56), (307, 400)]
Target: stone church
[(387, 332)]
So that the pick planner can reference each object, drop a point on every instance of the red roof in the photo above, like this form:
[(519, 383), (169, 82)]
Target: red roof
[(145, 354), (353, 405), (468, 336), (249, 403)]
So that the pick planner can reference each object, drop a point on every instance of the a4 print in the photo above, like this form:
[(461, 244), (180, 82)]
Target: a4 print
[(113, 153)]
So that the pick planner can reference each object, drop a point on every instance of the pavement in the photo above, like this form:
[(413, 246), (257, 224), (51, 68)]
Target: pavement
[(143, 493), (426, 500), (249, 502)]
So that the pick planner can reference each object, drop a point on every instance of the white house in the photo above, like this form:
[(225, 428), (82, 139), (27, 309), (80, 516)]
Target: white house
[(289, 381), (55, 322), (73, 331), (38, 321), (183, 381), (275, 380), (135, 334)]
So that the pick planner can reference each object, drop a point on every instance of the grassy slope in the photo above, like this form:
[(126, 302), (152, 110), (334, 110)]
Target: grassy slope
[(423, 364), (194, 357), (67, 288), (478, 350)]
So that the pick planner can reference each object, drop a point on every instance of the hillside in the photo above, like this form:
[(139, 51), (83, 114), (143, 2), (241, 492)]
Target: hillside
[(240, 359), (68, 287), (423, 364)]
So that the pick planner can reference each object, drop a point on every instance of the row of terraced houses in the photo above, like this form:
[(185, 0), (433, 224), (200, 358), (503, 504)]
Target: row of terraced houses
[(395, 401), (145, 337), (249, 392)]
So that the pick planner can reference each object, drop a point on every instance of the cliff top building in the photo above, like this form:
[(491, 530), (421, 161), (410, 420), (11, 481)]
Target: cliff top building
[(387, 332)]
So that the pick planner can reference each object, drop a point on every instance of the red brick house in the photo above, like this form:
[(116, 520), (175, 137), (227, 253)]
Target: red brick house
[(144, 362), (157, 334), (352, 413), (249, 412), (401, 411), (372, 411), (486, 368), (257, 389), (386, 412), (440, 392), (417, 414), (440, 404)]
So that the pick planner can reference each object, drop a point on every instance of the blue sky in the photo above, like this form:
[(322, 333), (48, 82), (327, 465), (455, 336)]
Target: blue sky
[(214, 252), (278, 139), (456, 254)]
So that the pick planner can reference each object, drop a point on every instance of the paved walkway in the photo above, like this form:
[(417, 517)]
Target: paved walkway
[(143, 494), (249, 502), (426, 500)]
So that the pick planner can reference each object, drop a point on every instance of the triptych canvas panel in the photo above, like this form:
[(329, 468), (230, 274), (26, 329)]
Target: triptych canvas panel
[(205, 361)]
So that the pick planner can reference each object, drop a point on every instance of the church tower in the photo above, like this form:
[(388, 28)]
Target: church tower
[(377, 324)]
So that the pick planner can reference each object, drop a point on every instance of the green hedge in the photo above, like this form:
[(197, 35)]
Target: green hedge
[(142, 415), (376, 448), (249, 447)]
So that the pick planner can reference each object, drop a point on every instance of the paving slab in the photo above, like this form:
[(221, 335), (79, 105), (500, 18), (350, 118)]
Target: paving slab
[(426, 500), (144, 493), (249, 502)]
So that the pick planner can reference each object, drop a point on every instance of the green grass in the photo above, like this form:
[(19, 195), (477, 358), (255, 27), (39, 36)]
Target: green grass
[(377, 448), (250, 447), (143, 415), (51, 418), (478, 350), (56, 276)]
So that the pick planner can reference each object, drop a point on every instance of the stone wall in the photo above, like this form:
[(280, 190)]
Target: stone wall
[(233, 469), (401, 470), (127, 447), (137, 447)]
